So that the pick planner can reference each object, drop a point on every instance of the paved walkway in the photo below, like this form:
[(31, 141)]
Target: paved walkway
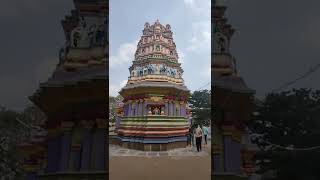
[(177, 164)]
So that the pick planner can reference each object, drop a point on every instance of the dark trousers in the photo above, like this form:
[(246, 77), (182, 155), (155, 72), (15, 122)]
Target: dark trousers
[(205, 138), (189, 140), (198, 143)]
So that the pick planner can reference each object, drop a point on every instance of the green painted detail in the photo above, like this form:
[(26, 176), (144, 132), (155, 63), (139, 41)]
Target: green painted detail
[(155, 126), (156, 120), (153, 123)]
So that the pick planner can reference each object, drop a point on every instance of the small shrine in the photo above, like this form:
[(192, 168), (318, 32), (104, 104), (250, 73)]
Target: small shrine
[(155, 97), (232, 154), (74, 100)]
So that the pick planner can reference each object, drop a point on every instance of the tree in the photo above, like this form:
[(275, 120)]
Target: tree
[(283, 122), (113, 103), (201, 107), (10, 134), (15, 128)]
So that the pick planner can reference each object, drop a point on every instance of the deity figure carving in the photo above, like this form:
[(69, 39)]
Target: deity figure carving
[(168, 27), (62, 55), (221, 43), (156, 111), (79, 36), (86, 36), (157, 69), (100, 34)]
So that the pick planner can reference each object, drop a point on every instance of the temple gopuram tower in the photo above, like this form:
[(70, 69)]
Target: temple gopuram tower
[(155, 97), (232, 153), (74, 100)]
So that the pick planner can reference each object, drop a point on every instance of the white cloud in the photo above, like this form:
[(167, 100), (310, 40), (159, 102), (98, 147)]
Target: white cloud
[(201, 36), (125, 55), (206, 72), (114, 89), (199, 7), (181, 56)]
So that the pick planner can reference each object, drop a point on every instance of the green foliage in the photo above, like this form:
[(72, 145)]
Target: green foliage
[(112, 107), (15, 128), (289, 119), (9, 136), (201, 107)]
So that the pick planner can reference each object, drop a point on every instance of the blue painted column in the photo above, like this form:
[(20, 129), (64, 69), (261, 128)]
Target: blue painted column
[(237, 160), (228, 154), (173, 109), (183, 109), (65, 150), (133, 107), (129, 109), (217, 163), (125, 110), (166, 108), (86, 147), (140, 108), (75, 157), (179, 110), (145, 108), (53, 154), (169, 108), (99, 155), (31, 176), (137, 108)]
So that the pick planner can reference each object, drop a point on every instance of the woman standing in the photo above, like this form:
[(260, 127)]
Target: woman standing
[(198, 136)]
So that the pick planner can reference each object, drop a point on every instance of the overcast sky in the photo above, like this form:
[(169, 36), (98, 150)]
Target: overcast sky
[(276, 41), (190, 22), (31, 35)]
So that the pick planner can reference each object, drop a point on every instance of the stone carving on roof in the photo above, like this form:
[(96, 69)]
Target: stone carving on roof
[(86, 35)]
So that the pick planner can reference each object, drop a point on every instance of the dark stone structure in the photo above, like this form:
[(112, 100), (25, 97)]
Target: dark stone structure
[(75, 101)]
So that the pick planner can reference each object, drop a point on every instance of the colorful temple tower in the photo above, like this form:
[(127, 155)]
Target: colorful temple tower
[(232, 152), (155, 97), (74, 100)]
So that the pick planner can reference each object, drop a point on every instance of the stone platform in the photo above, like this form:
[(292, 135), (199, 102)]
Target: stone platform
[(146, 147), (115, 150)]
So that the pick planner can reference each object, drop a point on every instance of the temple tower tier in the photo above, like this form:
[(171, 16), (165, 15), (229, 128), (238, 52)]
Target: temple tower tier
[(155, 97)]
